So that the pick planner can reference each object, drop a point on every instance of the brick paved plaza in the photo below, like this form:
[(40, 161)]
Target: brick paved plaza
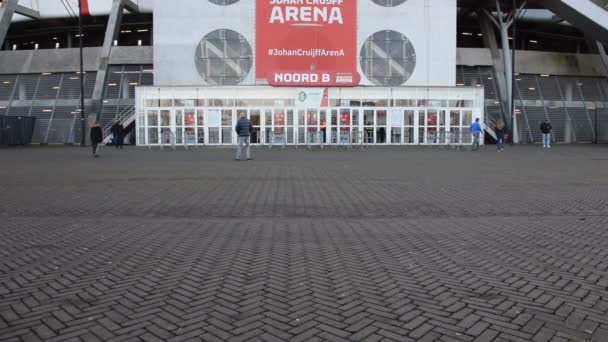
[(384, 244)]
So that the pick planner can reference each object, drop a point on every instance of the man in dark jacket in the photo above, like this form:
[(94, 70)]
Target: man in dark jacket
[(545, 129), (243, 130), (118, 133), (96, 137)]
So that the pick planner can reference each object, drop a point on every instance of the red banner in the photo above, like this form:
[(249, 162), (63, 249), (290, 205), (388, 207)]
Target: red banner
[(301, 42), (84, 9)]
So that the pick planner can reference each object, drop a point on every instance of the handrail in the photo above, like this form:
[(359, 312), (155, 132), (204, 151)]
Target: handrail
[(125, 113)]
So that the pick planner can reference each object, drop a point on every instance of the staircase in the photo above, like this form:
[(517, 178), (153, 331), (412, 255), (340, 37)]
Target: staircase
[(125, 117)]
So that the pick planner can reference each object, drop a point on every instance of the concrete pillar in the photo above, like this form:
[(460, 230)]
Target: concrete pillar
[(7, 9), (125, 87), (603, 56), (112, 31), (568, 131), (69, 38), (489, 38), (506, 56), (568, 94), (22, 91)]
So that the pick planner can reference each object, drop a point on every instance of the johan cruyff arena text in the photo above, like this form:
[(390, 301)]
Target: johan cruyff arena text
[(307, 72)]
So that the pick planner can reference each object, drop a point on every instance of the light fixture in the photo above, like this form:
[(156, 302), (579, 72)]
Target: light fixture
[(47, 110), (46, 73), (533, 41), (139, 42), (56, 45), (112, 84), (580, 84), (74, 78), (143, 30), (545, 75), (116, 43), (55, 87), (531, 88), (78, 36), (489, 78), (510, 38), (133, 83), (460, 84), (518, 79), (148, 70), (6, 82), (467, 34), (14, 47), (125, 31), (54, 38)]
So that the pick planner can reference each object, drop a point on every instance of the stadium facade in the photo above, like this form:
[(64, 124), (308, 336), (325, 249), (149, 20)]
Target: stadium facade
[(308, 71)]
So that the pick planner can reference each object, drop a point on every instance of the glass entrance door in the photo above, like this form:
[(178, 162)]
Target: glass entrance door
[(276, 126), (381, 125), (375, 126), (344, 126), (255, 116), (311, 126)]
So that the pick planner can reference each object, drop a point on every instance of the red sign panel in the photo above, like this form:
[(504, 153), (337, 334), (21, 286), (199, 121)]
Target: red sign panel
[(302, 42)]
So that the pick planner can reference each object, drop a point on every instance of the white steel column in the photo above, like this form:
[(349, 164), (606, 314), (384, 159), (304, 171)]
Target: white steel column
[(7, 9)]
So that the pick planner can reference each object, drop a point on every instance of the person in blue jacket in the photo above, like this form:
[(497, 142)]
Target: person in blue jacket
[(476, 131)]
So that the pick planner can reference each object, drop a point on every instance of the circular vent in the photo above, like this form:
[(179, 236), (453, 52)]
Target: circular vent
[(388, 3), (224, 57), (388, 58), (224, 2)]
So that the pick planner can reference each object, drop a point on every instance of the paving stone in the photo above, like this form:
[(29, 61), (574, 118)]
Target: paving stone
[(393, 244)]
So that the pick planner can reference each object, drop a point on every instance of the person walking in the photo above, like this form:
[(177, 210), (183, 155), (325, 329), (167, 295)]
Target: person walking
[(545, 129), (96, 137), (243, 129), (476, 131), (119, 134), (499, 129)]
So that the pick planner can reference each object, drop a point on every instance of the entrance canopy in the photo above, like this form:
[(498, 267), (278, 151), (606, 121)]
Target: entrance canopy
[(299, 116)]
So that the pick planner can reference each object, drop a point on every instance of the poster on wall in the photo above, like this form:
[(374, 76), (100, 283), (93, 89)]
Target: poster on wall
[(307, 43), (312, 98)]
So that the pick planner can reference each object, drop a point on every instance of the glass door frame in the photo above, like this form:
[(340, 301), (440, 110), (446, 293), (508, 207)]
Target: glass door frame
[(454, 132)]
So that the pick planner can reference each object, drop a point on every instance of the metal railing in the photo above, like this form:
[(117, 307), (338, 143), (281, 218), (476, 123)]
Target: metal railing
[(279, 139), (120, 118)]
